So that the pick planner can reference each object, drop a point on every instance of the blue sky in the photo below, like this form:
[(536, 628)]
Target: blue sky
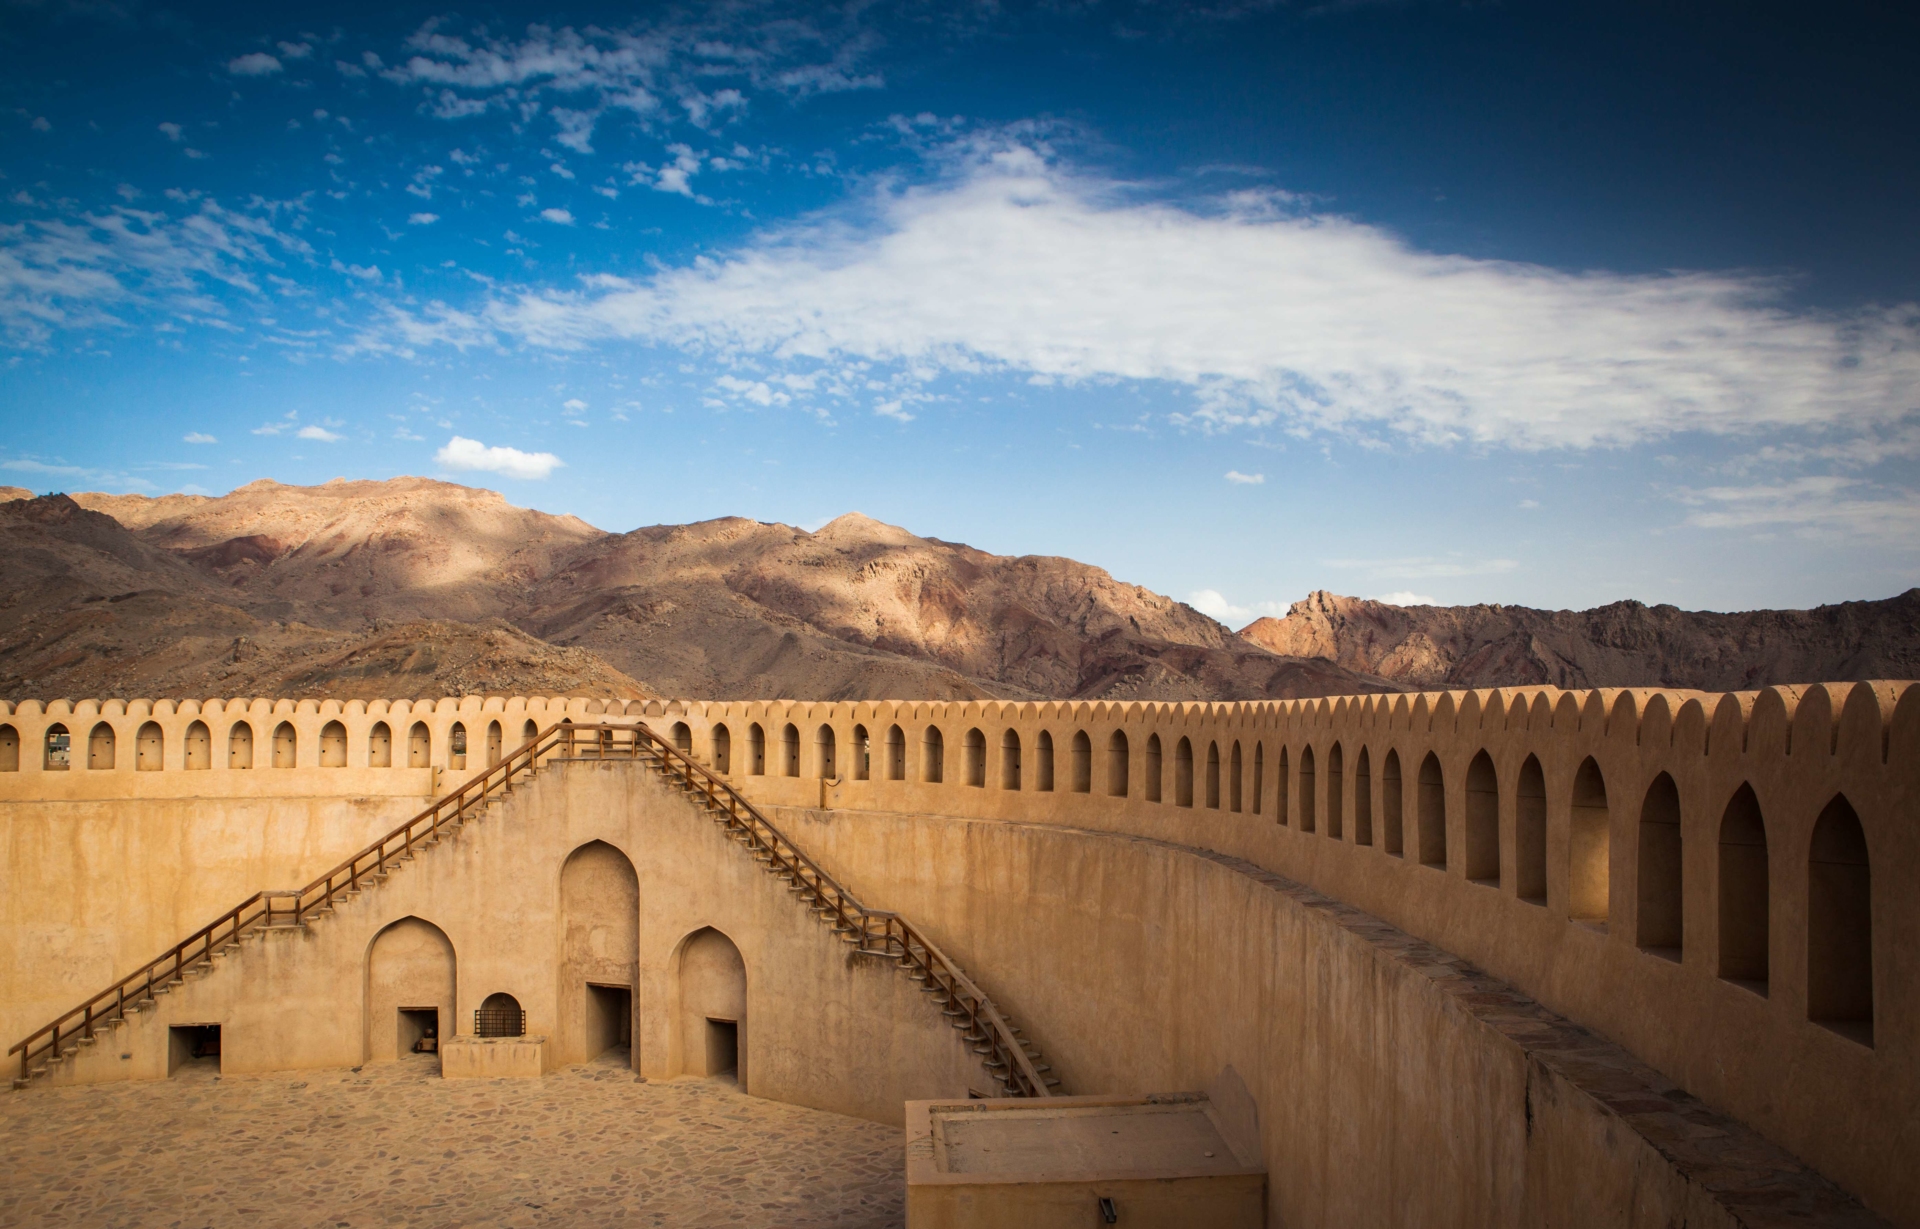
[(1525, 303)]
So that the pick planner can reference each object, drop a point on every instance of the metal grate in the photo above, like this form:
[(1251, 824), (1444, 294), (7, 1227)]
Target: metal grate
[(499, 1022)]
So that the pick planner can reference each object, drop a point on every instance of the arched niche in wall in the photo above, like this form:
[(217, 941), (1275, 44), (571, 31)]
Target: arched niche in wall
[(199, 748), (599, 952), (682, 737), (756, 750), (1530, 834), (1309, 819), (1483, 822), (826, 753), (1212, 784), (861, 753), (933, 756), (1118, 764), (973, 757), (380, 746), (1393, 808), (790, 750), (1336, 792), (240, 745), (411, 982), (496, 741), (722, 749), (100, 748), (896, 754), (1234, 798), (1010, 759), (9, 749), (1363, 798), (1183, 772), (1259, 775), (1840, 924), (457, 745), (59, 749), (1081, 758), (419, 745), (286, 745), (333, 745), (1151, 777), (1658, 919), (1430, 813), (149, 748), (711, 980), (1043, 762), (1745, 894), (1589, 846)]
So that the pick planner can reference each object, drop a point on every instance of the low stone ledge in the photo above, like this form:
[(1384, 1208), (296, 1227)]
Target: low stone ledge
[(492, 1058)]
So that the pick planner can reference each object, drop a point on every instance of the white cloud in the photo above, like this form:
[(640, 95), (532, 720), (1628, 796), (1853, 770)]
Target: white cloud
[(318, 433), (559, 217), (1406, 598), (1308, 322), (574, 404), (253, 64), (296, 51), (1213, 604), (1810, 506), (1234, 475), (422, 219), (467, 455), (171, 130), (40, 124), (199, 437)]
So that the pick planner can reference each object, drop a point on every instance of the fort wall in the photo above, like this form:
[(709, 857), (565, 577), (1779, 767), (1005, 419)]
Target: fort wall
[(1719, 883)]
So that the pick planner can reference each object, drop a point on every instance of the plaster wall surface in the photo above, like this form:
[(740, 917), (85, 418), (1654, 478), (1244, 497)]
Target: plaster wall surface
[(1501, 784)]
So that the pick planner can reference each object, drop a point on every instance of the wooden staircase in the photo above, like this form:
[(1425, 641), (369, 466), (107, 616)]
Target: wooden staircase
[(1011, 1059)]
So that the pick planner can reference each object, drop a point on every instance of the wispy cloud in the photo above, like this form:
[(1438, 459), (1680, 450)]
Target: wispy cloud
[(318, 433), (559, 217), (199, 437), (253, 64), (1426, 567), (1235, 476), (1810, 506), (1406, 597), (1016, 263), (472, 456)]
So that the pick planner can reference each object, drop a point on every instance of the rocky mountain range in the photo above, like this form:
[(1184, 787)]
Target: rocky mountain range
[(418, 587)]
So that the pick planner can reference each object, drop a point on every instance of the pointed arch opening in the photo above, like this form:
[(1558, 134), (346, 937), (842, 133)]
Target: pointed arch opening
[(682, 736), (826, 753), (457, 746), (1213, 776), (1183, 773), (1010, 759), (711, 978), (149, 748), (1336, 792), (1082, 761), (419, 746), (1430, 814), (1483, 822), (896, 754), (1150, 779), (58, 752), (974, 758), (1043, 762), (1589, 847), (1745, 903), (1392, 807), (199, 747), (1283, 785), (1659, 926), (100, 748), (933, 756), (1363, 798), (790, 750), (862, 752), (756, 750), (240, 746), (1259, 774), (380, 746), (1530, 834), (1309, 793), (333, 745), (722, 749), (286, 745), (1840, 924), (411, 977), (1233, 778), (1118, 767), (599, 952)]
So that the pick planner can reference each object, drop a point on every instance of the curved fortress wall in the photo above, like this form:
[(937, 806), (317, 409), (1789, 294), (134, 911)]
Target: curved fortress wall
[(1720, 883)]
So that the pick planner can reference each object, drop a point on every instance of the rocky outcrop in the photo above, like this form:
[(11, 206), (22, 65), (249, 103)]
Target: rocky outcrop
[(1625, 644)]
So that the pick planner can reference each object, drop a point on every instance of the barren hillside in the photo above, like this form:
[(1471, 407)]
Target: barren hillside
[(1626, 644), (301, 588)]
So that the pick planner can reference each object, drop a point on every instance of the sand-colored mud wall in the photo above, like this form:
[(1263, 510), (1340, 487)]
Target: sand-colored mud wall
[(1720, 883)]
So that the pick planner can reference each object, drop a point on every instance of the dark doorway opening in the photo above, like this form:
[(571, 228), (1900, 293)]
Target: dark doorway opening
[(723, 1047), (609, 1019), (193, 1047), (419, 1030)]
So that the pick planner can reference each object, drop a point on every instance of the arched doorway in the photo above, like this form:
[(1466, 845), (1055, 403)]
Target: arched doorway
[(599, 952), (410, 990), (712, 983)]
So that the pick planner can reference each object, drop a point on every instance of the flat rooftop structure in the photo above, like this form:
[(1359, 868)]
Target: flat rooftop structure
[(1162, 1159)]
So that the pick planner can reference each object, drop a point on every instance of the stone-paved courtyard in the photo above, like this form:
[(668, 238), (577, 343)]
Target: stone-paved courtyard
[(395, 1145)]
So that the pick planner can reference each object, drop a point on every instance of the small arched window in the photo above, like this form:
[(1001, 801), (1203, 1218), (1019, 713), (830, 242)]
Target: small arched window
[(862, 754), (1363, 798), (1152, 774), (380, 746), (682, 738), (1010, 760), (199, 749), (1213, 776), (1659, 917), (1745, 945), (149, 748), (933, 756), (457, 745), (722, 749), (59, 749), (1183, 773), (1589, 846), (756, 750), (499, 1015), (1309, 816), (495, 741), (1082, 755), (9, 749), (790, 750), (1283, 784), (240, 745), (1483, 822), (896, 754), (333, 745), (826, 753), (1233, 778), (286, 745), (1117, 766), (100, 745), (974, 759), (1043, 762), (1530, 834), (419, 746), (530, 731), (1431, 813), (1259, 774), (1840, 924), (1336, 792), (1392, 807)]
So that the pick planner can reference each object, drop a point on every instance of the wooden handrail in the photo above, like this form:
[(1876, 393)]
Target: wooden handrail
[(563, 742)]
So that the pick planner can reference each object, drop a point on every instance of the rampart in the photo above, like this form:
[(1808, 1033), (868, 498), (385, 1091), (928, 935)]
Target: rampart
[(1721, 884)]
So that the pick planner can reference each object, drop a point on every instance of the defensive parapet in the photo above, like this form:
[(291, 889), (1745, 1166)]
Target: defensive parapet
[(1722, 883)]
